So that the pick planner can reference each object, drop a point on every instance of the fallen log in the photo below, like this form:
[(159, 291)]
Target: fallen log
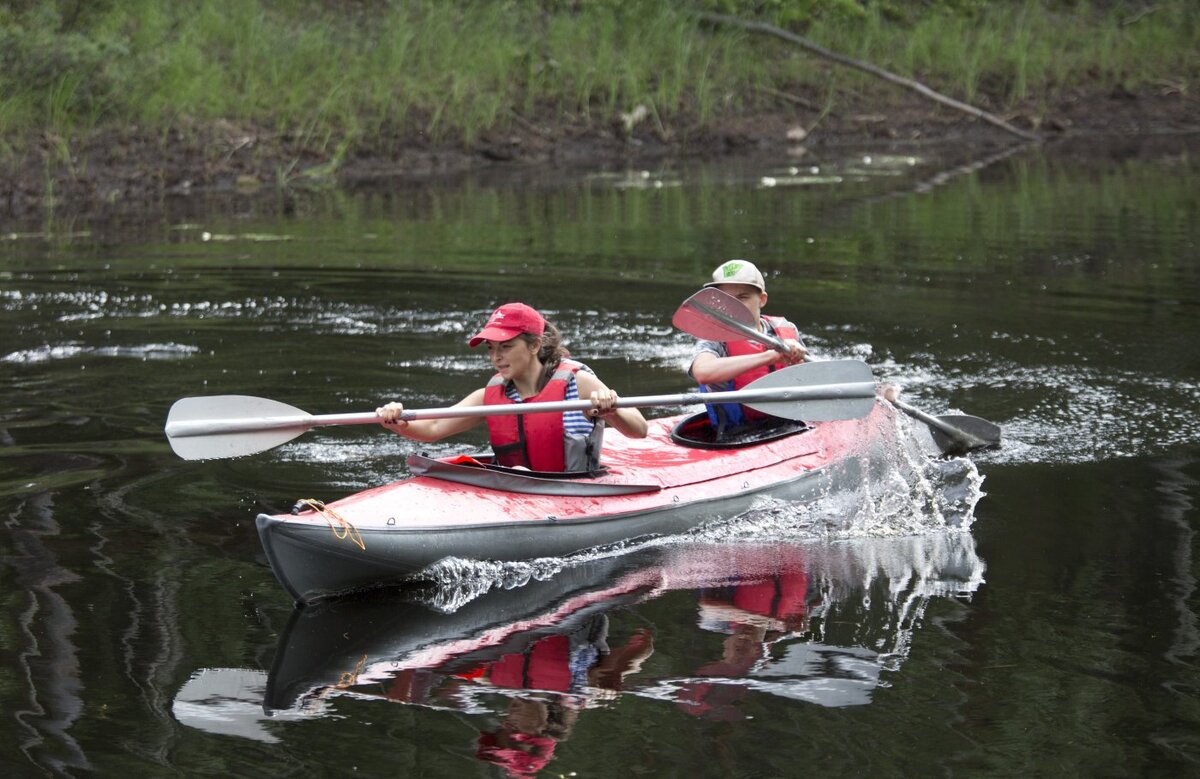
[(866, 67)]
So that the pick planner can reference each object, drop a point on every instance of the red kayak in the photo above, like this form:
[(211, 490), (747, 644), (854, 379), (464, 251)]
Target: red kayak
[(673, 480)]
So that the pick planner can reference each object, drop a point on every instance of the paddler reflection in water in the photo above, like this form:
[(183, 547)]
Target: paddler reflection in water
[(558, 674), (568, 672), (754, 615), (720, 366), (531, 366)]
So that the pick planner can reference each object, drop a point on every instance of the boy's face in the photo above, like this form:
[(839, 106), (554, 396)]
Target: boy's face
[(749, 295)]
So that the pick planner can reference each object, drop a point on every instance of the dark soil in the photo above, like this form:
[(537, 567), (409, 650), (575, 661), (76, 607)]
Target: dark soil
[(117, 173)]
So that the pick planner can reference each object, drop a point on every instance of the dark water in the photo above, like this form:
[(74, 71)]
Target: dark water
[(1055, 292)]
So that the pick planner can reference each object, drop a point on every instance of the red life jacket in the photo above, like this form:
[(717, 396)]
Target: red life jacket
[(784, 597), (536, 441), (544, 666), (735, 413)]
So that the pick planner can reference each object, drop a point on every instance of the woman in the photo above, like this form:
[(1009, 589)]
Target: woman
[(531, 366)]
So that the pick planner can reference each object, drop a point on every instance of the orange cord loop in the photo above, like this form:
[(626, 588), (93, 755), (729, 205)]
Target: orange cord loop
[(339, 525), (350, 678)]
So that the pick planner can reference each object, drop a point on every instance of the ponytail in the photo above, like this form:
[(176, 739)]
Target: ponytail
[(550, 353)]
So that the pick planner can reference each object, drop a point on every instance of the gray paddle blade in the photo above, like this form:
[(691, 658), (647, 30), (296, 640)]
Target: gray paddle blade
[(855, 401), (956, 433), (970, 433), (196, 427)]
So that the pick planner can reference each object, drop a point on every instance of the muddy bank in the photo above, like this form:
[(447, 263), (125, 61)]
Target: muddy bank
[(141, 173)]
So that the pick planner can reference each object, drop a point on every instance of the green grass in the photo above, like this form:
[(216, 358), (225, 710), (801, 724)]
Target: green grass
[(1011, 52), (331, 73)]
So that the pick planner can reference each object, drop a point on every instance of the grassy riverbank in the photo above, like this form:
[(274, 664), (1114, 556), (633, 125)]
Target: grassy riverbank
[(321, 81)]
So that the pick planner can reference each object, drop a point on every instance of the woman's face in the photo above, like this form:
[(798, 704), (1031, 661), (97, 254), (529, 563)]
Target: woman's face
[(512, 357)]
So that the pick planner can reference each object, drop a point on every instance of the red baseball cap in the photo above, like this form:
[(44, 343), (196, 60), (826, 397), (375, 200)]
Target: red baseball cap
[(509, 321), (528, 754)]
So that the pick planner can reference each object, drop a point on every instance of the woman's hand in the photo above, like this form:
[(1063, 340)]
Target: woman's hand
[(628, 421), (389, 416), (604, 404)]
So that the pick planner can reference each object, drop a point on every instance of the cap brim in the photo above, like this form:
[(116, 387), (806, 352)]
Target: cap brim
[(493, 334), (747, 283)]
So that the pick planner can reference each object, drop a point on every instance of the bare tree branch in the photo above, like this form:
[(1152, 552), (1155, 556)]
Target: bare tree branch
[(866, 67)]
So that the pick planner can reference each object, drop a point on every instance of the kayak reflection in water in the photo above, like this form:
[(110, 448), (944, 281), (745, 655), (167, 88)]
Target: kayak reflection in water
[(721, 366), (542, 684), (818, 624), (531, 366)]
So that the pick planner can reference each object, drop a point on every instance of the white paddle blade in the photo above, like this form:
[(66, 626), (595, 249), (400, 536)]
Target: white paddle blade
[(854, 401), (216, 427), (223, 446), (208, 407)]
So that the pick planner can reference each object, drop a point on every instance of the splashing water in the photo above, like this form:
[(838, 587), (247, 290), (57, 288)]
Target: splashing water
[(455, 582), (913, 495)]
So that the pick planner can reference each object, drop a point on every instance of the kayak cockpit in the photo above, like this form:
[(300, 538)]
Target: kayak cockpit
[(697, 432), (477, 471)]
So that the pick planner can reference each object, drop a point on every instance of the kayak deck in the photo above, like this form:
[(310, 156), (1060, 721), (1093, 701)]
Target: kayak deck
[(394, 533)]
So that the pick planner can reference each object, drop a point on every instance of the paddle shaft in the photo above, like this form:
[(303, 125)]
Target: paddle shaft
[(956, 433), (204, 427), (756, 335)]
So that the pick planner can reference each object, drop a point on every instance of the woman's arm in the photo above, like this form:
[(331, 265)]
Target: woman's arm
[(430, 429), (629, 421)]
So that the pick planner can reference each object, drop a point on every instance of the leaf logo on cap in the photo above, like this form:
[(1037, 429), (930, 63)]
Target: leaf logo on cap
[(731, 269)]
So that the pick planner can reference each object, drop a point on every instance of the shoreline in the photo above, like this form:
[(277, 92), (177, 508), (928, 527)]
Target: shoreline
[(119, 172)]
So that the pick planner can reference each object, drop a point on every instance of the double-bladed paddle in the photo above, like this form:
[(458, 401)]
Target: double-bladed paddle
[(714, 315), (222, 426)]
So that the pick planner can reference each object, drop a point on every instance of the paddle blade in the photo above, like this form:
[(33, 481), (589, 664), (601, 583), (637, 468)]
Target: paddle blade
[(715, 316), (956, 433), (853, 400), (221, 426), (970, 433)]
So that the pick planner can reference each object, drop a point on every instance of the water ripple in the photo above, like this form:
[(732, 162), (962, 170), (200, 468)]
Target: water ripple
[(69, 351)]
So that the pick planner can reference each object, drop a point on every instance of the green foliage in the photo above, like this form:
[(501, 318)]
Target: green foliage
[(789, 14), (328, 72), (51, 73)]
